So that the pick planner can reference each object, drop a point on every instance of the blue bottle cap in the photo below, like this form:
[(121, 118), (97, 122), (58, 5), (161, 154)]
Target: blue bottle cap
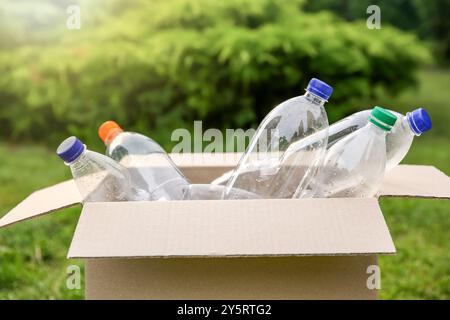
[(319, 88), (419, 120), (70, 149)]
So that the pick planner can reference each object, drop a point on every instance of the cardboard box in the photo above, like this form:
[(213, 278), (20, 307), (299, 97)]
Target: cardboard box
[(248, 249)]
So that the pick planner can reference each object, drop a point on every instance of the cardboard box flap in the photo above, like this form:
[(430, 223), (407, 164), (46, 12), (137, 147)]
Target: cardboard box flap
[(416, 181), (59, 196), (229, 228)]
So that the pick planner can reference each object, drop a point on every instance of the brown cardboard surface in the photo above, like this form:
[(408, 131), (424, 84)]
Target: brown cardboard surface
[(231, 228), (416, 181), (59, 196), (239, 278)]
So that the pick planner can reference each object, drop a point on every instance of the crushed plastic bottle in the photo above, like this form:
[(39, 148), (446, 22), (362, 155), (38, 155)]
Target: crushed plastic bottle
[(355, 165), (150, 167), (98, 178), (278, 169)]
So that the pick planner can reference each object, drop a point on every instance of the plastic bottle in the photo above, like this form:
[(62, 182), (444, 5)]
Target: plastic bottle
[(398, 141), (213, 192), (150, 167), (97, 177), (277, 169), (355, 165)]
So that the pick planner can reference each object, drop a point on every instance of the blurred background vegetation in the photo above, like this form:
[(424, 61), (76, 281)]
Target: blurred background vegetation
[(155, 66), (160, 65)]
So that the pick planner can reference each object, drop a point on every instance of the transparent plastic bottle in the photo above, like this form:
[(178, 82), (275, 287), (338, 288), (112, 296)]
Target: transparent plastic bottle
[(97, 177), (150, 167), (355, 165), (277, 169), (398, 141), (212, 192)]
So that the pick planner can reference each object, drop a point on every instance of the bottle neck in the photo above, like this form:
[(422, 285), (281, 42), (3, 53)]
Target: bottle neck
[(408, 122), (374, 128), (77, 159), (314, 99), (112, 135)]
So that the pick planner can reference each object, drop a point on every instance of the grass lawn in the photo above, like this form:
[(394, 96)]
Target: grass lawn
[(33, 254), (420, 227)]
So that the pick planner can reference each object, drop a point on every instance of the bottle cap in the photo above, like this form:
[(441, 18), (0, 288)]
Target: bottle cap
[(70, 149), (107, 128), (419, 121), (382, 118), (319, 88)]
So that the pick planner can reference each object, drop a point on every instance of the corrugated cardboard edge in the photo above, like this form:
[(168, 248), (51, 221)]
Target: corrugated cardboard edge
[(232, 256)]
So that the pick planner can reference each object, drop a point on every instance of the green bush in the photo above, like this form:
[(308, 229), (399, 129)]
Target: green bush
[(158, 66)]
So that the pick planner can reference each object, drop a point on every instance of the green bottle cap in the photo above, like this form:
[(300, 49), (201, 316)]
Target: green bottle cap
[(382, 118)]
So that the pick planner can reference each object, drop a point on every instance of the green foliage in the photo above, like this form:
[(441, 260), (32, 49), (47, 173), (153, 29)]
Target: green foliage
[(404, 14), (428, 19), (157, 66)]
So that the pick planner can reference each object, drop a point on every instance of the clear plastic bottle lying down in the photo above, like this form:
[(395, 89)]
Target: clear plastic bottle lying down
[(355, 165), (277, 169), (398, 141), (150, 167), (98, 177)]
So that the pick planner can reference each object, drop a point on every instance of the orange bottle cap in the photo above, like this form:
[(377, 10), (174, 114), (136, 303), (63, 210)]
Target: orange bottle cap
[(107, 128)]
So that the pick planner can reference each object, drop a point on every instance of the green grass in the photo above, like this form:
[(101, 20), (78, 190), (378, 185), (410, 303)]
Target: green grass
[(33, 253), (419, 227)]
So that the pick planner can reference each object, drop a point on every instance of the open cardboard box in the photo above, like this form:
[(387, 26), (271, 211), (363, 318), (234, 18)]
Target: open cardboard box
[(248, 249)]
